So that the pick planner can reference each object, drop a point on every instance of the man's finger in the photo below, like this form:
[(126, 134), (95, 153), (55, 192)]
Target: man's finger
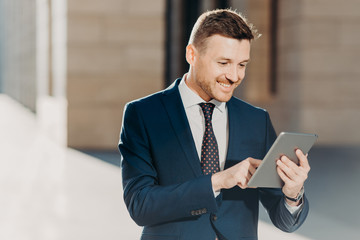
[(254, 162), (283, 164), (288, 162), (242, 183), (252, 170), (302, 159), (282, 175), (248, 176)]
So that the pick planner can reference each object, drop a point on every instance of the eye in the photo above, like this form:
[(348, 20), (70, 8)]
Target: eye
[(222, 63)]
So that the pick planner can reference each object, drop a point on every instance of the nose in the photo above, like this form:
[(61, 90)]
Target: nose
[(233, 75)]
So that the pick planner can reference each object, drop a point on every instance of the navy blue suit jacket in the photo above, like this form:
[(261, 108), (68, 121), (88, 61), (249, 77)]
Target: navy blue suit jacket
[(164, 189)]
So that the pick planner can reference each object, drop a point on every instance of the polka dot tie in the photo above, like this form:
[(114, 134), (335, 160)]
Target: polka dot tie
[(209, 150)]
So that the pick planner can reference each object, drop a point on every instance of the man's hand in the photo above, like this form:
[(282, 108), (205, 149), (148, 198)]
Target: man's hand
[(238, 174), (293, 175)]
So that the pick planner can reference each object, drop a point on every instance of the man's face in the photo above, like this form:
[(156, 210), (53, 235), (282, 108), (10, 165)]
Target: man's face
[(218, 69)]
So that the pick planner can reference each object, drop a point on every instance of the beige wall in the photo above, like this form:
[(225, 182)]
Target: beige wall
[(319, 46), (115, 53), (318, 74), (256, 86), (90, 57)]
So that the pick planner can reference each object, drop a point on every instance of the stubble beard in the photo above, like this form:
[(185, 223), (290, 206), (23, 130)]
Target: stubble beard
[(210, 89)]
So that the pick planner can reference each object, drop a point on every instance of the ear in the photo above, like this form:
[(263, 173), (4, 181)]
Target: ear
[(190, 54)]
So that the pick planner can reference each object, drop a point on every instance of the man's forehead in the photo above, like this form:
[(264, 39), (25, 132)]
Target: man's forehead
[(218, 37), (224, 47)]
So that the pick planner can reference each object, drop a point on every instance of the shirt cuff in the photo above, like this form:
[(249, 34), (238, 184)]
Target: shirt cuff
[(294, 210), (216, 193)]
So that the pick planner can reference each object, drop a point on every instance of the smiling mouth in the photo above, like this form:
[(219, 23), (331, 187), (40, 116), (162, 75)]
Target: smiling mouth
[(224, 84)]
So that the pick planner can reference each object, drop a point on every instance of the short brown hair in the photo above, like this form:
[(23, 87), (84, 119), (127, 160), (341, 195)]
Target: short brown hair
[(225, 22)]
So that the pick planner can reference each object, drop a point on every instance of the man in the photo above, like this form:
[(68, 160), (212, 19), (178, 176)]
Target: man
[(189, 151)]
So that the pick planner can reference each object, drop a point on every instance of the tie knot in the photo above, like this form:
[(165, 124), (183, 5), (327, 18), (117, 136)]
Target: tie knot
[(207, 109)]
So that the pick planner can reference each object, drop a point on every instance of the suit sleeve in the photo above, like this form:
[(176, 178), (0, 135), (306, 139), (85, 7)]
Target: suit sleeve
[(148, 202), (273, 199)]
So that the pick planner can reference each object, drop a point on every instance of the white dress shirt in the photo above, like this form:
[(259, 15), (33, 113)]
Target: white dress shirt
[(196, 120), (220, 125)]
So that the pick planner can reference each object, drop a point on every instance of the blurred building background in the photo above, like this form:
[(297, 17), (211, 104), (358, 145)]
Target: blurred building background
[(75, 63)]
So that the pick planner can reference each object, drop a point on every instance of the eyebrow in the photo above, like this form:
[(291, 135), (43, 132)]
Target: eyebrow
[(228, 59)]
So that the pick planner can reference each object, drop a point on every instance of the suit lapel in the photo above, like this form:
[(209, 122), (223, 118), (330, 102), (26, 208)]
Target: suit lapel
[(237, 124), (172, 102)]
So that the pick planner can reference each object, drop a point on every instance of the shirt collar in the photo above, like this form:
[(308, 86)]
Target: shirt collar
[(190, 98)]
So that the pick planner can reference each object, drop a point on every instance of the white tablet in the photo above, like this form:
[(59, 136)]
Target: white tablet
[(285, 144)]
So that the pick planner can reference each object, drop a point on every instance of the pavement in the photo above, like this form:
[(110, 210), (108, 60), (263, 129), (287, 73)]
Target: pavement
[(50, 192)]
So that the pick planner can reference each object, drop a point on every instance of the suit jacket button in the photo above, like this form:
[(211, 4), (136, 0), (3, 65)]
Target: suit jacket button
[(193, 213), (214, 217), (203, 210)]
